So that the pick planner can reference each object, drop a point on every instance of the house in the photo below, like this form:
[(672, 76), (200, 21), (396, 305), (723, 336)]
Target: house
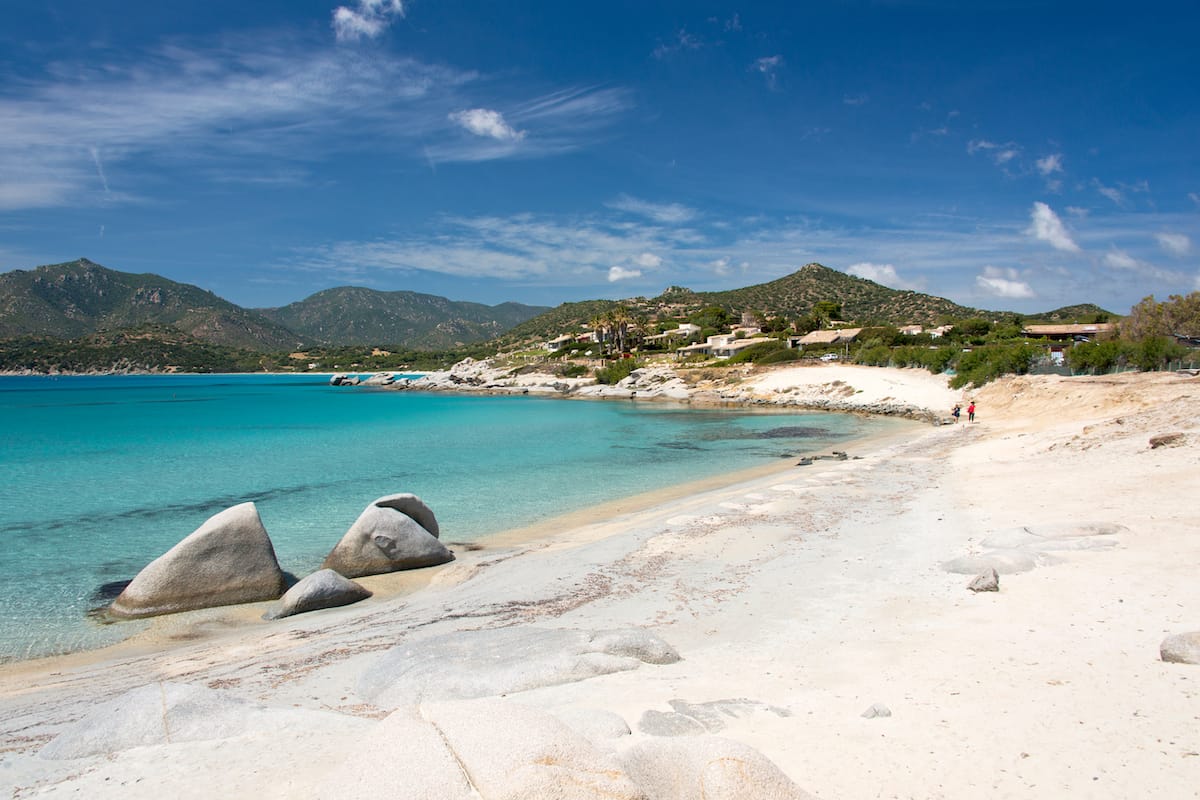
[(940, 331), (1063, 337), (684, 331), (1069, 333), (732, 348), (912, 330), (707, 347), (559, 342), (825, 338)]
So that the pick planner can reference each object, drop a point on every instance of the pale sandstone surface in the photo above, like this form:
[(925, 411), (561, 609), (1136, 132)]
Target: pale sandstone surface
[(795, 601)]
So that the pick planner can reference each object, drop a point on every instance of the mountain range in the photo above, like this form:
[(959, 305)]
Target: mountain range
[(81, 298), (78, 298)]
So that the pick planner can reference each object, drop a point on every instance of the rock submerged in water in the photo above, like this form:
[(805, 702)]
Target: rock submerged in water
[(323, 589), (227, 560), (394, 533)]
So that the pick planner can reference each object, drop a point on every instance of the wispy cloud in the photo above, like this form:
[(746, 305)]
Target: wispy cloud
[(367, 19), (769, 67), (1177, 244), (1050, 164), (666, 213), (248, 108), (681, 41), (1111, 192), (1001, 154), (1122, 261), (1047, 227), (1005, 283)]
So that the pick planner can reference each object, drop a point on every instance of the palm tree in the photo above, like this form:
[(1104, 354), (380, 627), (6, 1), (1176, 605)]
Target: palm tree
[(620, 319), (598, 323)]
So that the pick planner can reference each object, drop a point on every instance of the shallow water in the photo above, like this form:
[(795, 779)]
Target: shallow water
[(103, 474)]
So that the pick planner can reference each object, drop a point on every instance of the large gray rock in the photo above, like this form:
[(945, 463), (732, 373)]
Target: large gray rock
[(323, 589), (227, 560), (706, 767), (478, 748), (1182, 648), (499, 661), (394, 533)]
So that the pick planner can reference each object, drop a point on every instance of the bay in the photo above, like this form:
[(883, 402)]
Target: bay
[(100, 475)]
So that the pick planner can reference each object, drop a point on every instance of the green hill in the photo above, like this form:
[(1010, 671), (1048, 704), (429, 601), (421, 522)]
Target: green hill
[(80, 298), (351, 315), (863, 302), (1081, 313)]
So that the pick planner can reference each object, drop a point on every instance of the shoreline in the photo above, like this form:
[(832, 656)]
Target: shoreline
[(172, 631), (797, 601)]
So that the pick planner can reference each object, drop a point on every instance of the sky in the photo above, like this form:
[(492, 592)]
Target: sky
[(1010, 155)]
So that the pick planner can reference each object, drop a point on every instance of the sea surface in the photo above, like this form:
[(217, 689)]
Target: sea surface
[(100, 475)]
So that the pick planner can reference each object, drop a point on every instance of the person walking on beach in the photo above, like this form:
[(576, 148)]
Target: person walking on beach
[(956, 411), (971, 412)]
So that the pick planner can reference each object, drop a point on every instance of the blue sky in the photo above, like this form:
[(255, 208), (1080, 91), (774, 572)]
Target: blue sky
[(1006, 155)]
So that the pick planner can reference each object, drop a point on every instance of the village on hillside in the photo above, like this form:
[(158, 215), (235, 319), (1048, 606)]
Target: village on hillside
[(616, 334)]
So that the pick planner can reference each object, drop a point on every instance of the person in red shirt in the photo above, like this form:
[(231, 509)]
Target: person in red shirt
[(971, 412)]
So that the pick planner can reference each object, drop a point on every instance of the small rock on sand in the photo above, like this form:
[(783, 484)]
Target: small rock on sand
[(1182, 648)]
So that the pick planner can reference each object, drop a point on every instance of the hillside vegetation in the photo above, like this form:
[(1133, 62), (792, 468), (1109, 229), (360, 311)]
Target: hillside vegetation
[(80, 298), (352, 315)]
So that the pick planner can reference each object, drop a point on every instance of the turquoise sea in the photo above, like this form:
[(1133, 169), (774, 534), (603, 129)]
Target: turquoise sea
[(100, 475)]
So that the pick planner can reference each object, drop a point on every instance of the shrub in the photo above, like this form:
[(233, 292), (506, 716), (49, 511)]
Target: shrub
[(615, 371), (574, 371), (876, 355), (987, 363), (755, 352), (780, 356)]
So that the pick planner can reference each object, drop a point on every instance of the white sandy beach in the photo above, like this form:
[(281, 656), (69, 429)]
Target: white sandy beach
[(796, 600)]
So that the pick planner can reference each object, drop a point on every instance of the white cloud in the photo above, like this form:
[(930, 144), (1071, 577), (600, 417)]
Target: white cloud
[(666, 213), (1177, 244), (1001, 154), (621, 274), (487, 123), (1006, 283), (683, 41), (855, 100), (368, 19), (1144, 270), (768, 67), (1111, 192), (1047, 227), (880, 273), (1119, 259), (1048, 165), (648, 261)]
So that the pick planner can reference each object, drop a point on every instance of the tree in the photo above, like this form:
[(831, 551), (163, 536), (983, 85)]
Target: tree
[(1145, 320), (711, 317), (827, 311), (598, 323), (1182, 314)]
